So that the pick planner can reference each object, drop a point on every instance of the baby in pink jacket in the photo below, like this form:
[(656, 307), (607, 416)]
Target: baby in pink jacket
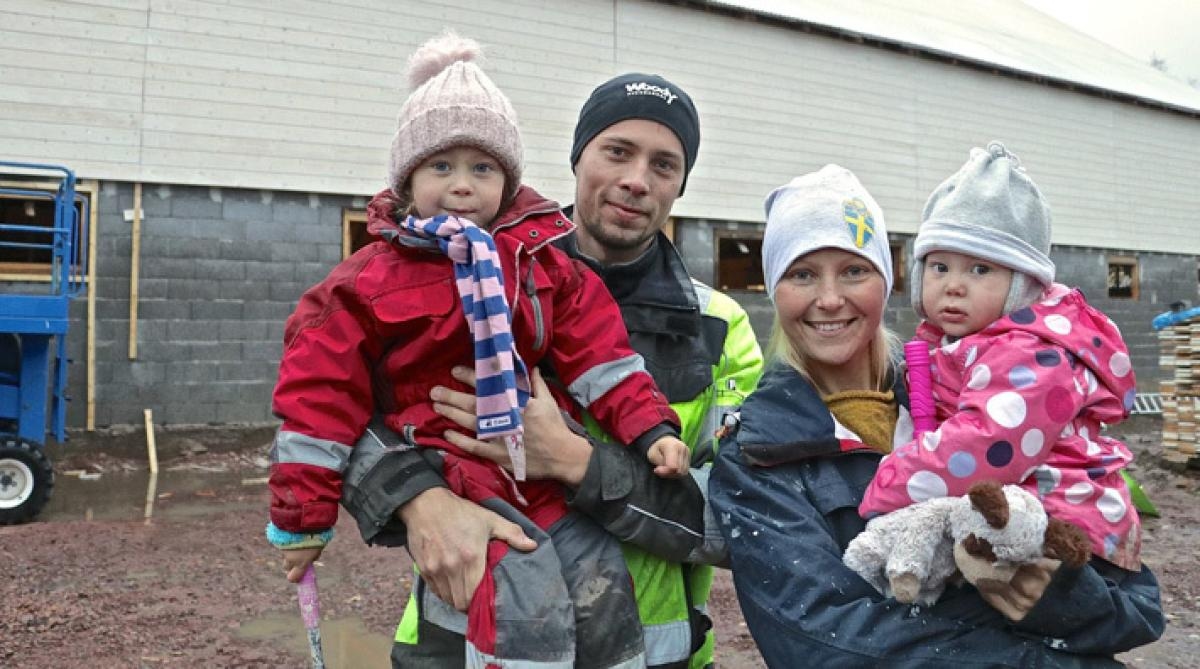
[(1024, 371)]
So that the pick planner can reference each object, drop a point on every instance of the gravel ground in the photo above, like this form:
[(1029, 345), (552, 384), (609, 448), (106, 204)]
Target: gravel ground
[(97, 583)]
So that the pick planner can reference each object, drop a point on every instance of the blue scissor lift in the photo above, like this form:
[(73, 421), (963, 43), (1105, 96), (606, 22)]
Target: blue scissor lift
[(33, 332)]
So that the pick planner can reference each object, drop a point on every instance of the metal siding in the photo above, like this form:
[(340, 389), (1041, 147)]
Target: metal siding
[(231, 94), (903, 124)]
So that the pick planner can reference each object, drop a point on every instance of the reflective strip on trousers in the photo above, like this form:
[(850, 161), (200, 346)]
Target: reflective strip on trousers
[(667, 643), (442, 614), (479, 660)]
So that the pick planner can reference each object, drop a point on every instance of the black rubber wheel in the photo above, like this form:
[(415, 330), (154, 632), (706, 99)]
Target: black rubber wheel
[(26, 479)]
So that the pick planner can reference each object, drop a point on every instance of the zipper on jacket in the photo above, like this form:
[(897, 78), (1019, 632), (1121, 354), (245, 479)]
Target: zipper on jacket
[(531, 291)]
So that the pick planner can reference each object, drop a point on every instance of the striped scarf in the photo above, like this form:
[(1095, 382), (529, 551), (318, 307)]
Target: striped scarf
[(501, 380)]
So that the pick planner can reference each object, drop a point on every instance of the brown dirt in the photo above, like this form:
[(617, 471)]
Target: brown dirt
[(190, 586)]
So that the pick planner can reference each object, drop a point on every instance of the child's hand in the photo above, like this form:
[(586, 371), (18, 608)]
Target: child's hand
[(670, 457), (296, 561)]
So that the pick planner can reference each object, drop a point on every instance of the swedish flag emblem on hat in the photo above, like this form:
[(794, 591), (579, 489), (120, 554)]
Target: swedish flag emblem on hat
[(859, 220)]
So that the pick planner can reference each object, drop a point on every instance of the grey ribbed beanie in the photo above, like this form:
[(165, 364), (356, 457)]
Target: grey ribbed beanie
[(989, 209), (454, 104)]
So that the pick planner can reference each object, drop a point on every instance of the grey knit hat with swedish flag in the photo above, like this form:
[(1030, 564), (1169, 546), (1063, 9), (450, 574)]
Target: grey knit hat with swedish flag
[(992, 210), (826, 209)]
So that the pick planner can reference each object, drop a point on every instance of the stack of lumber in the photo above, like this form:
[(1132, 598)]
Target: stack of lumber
[(1179, 346)]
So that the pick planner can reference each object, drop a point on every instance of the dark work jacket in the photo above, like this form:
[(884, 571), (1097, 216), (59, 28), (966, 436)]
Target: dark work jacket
[(662, 314), (787, 524)]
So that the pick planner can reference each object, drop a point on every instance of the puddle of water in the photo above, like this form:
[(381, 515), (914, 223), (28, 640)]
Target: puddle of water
[(141, 495), (345, 641)]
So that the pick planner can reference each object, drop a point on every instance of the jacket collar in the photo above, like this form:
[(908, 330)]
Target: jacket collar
[(654, 290), (785, 420)]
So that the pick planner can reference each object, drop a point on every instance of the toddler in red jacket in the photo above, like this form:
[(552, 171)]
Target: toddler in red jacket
[(1025, 372), (464, 270)]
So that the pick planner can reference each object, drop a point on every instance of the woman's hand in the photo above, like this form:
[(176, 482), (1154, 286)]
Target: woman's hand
[(552, 450), (1016, 598)]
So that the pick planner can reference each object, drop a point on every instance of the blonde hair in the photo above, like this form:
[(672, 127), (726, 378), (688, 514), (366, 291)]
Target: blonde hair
[(884, 348)]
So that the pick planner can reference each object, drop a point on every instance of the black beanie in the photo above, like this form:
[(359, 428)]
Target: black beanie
[(646, 96)]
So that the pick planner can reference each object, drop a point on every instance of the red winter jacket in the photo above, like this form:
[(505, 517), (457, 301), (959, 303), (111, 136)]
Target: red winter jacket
[(387, 325)]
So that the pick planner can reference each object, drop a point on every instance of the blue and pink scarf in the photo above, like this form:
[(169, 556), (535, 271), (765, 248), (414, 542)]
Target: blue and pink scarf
[(501, 380)]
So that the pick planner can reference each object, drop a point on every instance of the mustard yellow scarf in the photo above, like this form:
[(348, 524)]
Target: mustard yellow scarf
[(870, 414)]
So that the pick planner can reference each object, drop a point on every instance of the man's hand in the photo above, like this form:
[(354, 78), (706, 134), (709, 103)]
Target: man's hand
[(296, 561), (448, 537), (1016, 598), (552, 450), (670, 457)]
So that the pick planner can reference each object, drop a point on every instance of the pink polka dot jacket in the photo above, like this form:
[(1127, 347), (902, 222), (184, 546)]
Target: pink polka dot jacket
[(1022, 401)]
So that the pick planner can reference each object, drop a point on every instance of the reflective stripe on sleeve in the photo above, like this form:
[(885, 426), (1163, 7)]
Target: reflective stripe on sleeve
[(296, 448), (592, 384)]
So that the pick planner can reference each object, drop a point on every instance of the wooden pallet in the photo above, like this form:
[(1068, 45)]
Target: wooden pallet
[(1179, 352)]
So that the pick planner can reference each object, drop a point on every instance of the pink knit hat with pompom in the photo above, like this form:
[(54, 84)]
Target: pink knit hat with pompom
[(453, 104)]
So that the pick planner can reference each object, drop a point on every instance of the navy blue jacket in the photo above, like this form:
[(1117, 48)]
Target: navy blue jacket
[(788, 518)]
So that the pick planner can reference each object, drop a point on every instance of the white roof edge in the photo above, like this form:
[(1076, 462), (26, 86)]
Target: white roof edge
[(1062, 55)]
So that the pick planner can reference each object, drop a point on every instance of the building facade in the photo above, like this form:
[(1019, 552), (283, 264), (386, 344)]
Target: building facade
[(229, 150)]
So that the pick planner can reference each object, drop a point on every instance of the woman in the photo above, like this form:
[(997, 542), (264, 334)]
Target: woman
[(790, 476)]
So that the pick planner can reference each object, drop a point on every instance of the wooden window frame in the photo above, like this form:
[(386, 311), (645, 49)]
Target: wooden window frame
[(1130, 261), (350, 218), (899, 268), (718, 236), (37, 272)]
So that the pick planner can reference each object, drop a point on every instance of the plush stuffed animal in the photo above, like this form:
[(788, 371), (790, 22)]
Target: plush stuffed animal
[(912, 553)]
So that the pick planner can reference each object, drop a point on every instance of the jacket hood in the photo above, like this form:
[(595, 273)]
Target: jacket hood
[(1063, 317)]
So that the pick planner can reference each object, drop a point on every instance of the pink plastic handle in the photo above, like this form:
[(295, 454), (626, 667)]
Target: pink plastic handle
[(920, 388), (310, 612), (310, 601)]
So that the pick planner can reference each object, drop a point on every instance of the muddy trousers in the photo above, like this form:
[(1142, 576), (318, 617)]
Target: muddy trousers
[(568, 603)]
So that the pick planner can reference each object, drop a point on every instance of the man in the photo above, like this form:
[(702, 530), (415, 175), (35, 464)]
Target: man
[(635, 144)]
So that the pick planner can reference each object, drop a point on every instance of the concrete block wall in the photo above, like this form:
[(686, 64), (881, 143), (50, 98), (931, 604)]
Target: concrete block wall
[(220, 271), (1163, 278)]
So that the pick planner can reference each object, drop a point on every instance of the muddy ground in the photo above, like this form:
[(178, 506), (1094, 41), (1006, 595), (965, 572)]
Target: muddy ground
[(122, 571)]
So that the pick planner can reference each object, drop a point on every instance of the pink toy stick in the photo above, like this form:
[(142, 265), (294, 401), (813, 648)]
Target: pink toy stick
[(310, 611), (920, 388)]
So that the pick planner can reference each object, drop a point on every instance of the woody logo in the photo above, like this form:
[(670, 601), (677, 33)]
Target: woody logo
[(643, 88)]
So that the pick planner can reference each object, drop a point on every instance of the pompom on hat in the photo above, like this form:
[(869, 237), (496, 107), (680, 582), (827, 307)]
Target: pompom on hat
[(453, 103), (989, 209), (825, 209)]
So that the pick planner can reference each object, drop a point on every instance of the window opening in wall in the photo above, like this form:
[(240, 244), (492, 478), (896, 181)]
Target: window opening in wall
[(898, 268), (354, 231), (25, 255), (1122, 277), (739, 260)]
